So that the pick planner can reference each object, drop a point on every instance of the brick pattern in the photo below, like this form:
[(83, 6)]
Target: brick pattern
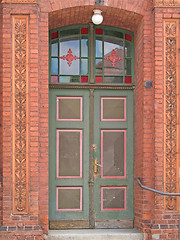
[(43, 212), (113, 17), (166, 3), (19, 1), (144, 124)]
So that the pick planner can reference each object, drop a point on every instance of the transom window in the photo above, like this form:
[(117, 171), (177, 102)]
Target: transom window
[(72, 55)]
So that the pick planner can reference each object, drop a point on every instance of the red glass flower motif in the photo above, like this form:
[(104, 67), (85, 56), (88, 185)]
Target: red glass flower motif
[(113, 58), (69, 57)]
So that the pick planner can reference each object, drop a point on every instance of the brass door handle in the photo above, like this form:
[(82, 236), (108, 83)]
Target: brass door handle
[(96, 164)]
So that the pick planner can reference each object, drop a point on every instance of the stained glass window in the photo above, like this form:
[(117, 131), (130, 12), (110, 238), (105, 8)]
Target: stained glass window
[(113, 56), (72, 56)]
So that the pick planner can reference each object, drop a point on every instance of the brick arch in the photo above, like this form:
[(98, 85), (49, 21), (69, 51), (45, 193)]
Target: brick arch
[(139, 7), (112, 17)]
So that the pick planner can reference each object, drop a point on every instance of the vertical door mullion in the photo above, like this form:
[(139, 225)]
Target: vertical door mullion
[(91, 179)]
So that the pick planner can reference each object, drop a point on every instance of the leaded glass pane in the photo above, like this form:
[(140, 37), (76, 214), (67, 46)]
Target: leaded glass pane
[(69, 32), (54, 66), (99, 47), (127, 49), (84, 47), (113, 79), (69, 57), (54, 49), (99, 67), (111, 43), (54, 79), (113, 33), (128, 67), (69, 79), (113, 56), (84, 66)]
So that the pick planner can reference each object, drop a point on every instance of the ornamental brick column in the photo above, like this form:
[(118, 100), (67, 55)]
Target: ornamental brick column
[(166, 215), (24, 119)]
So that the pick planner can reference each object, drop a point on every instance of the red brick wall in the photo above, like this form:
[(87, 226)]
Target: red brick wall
[(6, 138), (1, 119), (43, 121), (144, 123)]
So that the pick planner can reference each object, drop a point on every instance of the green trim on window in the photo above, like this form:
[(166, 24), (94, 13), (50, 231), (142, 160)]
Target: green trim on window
[(112, 69)]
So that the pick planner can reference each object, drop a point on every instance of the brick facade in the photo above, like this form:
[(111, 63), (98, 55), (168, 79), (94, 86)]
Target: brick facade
[(146, 20)]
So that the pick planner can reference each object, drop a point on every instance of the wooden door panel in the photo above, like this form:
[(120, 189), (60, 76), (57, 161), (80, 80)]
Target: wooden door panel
[(113, 135), (69, 158)]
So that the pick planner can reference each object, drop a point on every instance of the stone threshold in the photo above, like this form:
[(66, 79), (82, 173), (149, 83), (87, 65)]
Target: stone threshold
[(96, 234)]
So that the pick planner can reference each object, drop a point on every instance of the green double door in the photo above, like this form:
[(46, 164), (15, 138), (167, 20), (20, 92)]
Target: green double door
[(91, 158)]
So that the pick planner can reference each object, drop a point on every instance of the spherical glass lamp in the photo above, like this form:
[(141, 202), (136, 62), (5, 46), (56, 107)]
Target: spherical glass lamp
[(97, 18)]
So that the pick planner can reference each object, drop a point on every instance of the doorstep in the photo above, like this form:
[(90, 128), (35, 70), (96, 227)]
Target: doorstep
[(96, 234)]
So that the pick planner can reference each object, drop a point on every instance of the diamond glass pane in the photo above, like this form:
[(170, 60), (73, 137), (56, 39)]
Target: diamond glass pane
[(69, 108), (69, 57), (113, 109), (69, 199), (113, 153), (113, 56), (113, 198), (69, 156)]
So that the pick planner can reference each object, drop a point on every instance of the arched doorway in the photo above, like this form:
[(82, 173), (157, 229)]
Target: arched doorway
[(91, 127)]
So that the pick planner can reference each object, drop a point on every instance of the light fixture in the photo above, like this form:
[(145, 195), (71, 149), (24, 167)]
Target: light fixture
[(97, 18), (99, 2)]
